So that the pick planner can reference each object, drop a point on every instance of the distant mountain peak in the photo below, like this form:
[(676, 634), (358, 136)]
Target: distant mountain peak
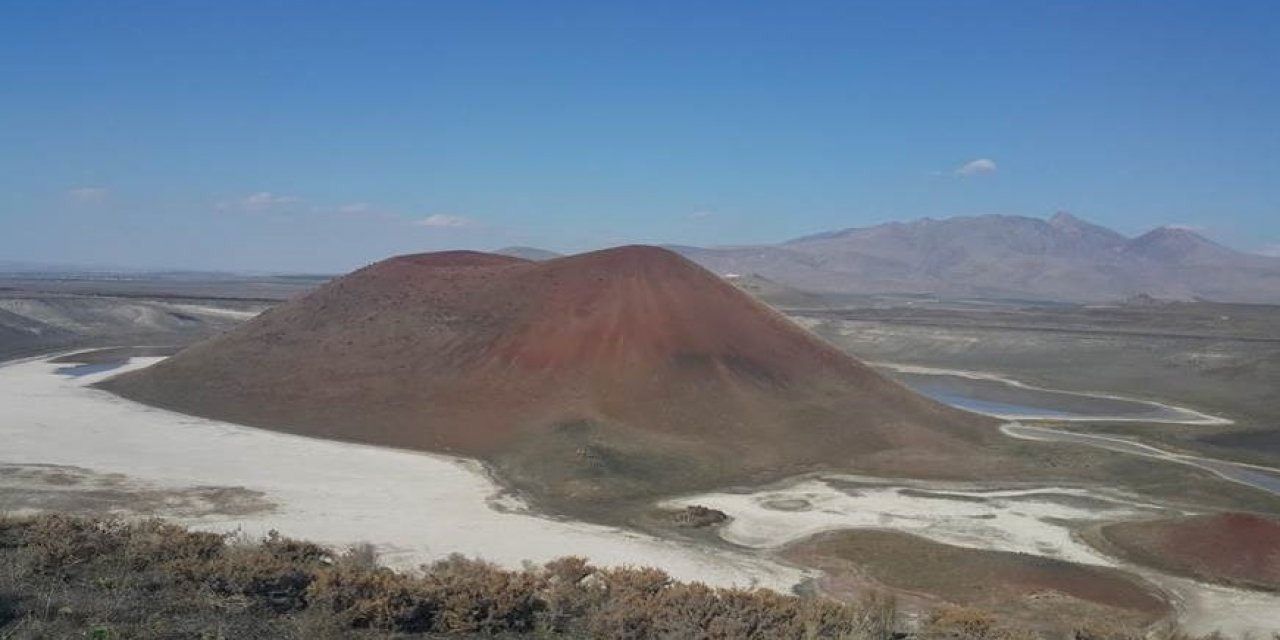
[(1182, 245), (1173, 235), (1065, 222), (1063, 219), (1177, 230)]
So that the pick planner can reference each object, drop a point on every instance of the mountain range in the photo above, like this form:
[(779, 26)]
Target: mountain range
[(998, 256)]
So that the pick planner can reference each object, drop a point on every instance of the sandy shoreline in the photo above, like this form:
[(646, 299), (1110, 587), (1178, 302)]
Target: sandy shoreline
[(1185, 416), (1251, 475)]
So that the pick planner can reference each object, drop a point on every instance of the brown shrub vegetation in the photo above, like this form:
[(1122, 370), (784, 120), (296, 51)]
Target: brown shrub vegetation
[(62, 576)]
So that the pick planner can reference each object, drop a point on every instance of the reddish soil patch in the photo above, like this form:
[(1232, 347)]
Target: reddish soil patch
[(1232, 548), (1047, 593), (628, 371)]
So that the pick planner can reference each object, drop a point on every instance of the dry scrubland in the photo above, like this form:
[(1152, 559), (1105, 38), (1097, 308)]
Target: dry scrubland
[(62, 576)]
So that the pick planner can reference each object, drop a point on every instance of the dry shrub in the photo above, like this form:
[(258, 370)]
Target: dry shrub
[(959, 623), (295, 551), (456, 595), (360, 556), (375, 598), (56, 543), (565, 597), (734, 613), (153, 543), (684, 610), (623, 603), (11, 531), (259, 575), (474, 596), (1103, 630), (645, 603), (875, 617)]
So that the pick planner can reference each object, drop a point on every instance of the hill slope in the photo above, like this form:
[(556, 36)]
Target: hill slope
[(623, 372), (776, 294), (1241, 549)]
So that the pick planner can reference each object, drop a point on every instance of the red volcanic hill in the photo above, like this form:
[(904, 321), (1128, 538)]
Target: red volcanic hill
[(628, 371)]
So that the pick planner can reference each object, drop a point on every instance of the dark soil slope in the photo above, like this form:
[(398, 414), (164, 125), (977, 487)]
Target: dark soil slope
[(1231, 548), (1041, 592), (629, 371)]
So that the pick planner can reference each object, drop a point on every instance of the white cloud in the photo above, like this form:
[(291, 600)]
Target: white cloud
[(263, 202), (1272, 250), (88, 194), (442, 221), (1195, 228), (260, 201), (279, 206), (702, 214), (266, 199), (977, 167)]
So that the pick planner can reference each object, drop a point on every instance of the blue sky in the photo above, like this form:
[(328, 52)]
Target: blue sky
[(320, 136)]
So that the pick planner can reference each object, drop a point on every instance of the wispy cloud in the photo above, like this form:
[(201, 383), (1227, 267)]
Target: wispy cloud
[(442, 221), (266, 200), (1271, 250), (1194, 228), (701, 214), (981, 166), (88, 194), (295, 208), (261, 201)]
